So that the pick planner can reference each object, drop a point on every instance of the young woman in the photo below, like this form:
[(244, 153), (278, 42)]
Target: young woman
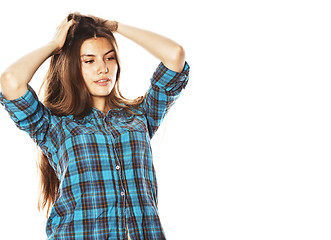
[(96, 166)]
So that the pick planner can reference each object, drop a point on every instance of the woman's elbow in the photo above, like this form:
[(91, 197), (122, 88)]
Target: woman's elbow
[(5, 79), (180, 56), (10, 87), (177, 59)]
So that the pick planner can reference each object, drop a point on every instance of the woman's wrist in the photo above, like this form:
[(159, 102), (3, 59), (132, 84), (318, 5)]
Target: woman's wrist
[(54, 47)]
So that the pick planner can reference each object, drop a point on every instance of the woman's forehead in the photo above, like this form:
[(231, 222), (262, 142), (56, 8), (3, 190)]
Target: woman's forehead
[(96, 46)]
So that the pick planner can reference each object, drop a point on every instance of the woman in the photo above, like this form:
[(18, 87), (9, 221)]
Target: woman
[(96, 166)]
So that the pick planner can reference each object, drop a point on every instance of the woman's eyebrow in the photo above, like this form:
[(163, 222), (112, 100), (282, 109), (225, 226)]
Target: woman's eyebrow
[(112, 50), (92, 55)]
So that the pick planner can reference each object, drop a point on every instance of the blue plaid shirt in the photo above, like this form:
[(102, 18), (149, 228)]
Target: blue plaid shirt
[(104, 163)]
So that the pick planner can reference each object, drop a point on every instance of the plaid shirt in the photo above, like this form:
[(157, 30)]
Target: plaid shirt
[(104, 163)]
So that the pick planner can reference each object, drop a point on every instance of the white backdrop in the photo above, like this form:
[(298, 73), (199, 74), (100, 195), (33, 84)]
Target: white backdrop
[(244, 153)]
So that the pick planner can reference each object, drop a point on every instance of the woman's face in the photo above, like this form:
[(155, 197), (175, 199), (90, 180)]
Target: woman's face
[(99, 67)]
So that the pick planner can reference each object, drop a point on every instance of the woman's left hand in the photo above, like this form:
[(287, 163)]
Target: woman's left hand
[(113, 25)]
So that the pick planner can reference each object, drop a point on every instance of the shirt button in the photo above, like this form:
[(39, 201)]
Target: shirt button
[(117, 167), (122, 193)]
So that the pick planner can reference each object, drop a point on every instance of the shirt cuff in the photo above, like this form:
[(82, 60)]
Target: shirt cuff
[(22, 107), (170, 80)]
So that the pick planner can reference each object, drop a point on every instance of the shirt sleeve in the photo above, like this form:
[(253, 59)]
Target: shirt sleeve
[(31, 116), (166, 86)]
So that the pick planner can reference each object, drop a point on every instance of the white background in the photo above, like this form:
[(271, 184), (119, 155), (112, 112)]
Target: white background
[(245, 151)]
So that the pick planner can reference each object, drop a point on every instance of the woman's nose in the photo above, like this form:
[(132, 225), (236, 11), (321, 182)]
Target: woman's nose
[(102, 68)]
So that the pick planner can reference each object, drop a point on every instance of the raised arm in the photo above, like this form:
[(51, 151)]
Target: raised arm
[(16, 77), (169, 52)]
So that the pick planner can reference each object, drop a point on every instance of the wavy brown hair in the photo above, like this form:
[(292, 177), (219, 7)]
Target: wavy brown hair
[(65, 92)]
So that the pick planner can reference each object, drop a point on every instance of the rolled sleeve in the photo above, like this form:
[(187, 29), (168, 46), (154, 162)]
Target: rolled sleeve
[(172, 82), (166, 86), (22, 108)]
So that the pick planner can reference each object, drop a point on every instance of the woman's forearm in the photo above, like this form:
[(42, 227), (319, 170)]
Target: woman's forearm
[(15, 79), (169, 52)]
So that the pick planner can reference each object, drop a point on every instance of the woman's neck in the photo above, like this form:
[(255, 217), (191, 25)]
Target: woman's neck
[(100, 104)]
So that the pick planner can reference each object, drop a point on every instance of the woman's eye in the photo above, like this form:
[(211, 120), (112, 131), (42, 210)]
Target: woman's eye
[(89, 61), (110, 58)]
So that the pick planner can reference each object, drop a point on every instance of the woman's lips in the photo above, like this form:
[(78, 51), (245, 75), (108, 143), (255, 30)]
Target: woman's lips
[(102, 82)]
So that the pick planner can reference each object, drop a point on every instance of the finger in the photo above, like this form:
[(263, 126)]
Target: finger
[(66, 25), (60, 26), (65, 22), (71, 22)]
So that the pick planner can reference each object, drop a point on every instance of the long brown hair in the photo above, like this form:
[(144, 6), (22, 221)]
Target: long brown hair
[(65, 92)]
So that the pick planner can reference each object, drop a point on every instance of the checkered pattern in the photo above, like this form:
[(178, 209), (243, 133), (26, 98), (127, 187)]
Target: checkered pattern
[(104, 163)]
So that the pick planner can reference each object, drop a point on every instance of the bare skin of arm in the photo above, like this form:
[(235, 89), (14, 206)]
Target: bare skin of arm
[(14, 81), (169, 52)]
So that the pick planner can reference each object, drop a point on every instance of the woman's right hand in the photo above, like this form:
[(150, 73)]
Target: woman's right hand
[(61, 34)]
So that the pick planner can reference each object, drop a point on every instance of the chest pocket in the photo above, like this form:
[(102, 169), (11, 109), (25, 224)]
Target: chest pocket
[(75, 128), (131, 124), (81, 130)]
